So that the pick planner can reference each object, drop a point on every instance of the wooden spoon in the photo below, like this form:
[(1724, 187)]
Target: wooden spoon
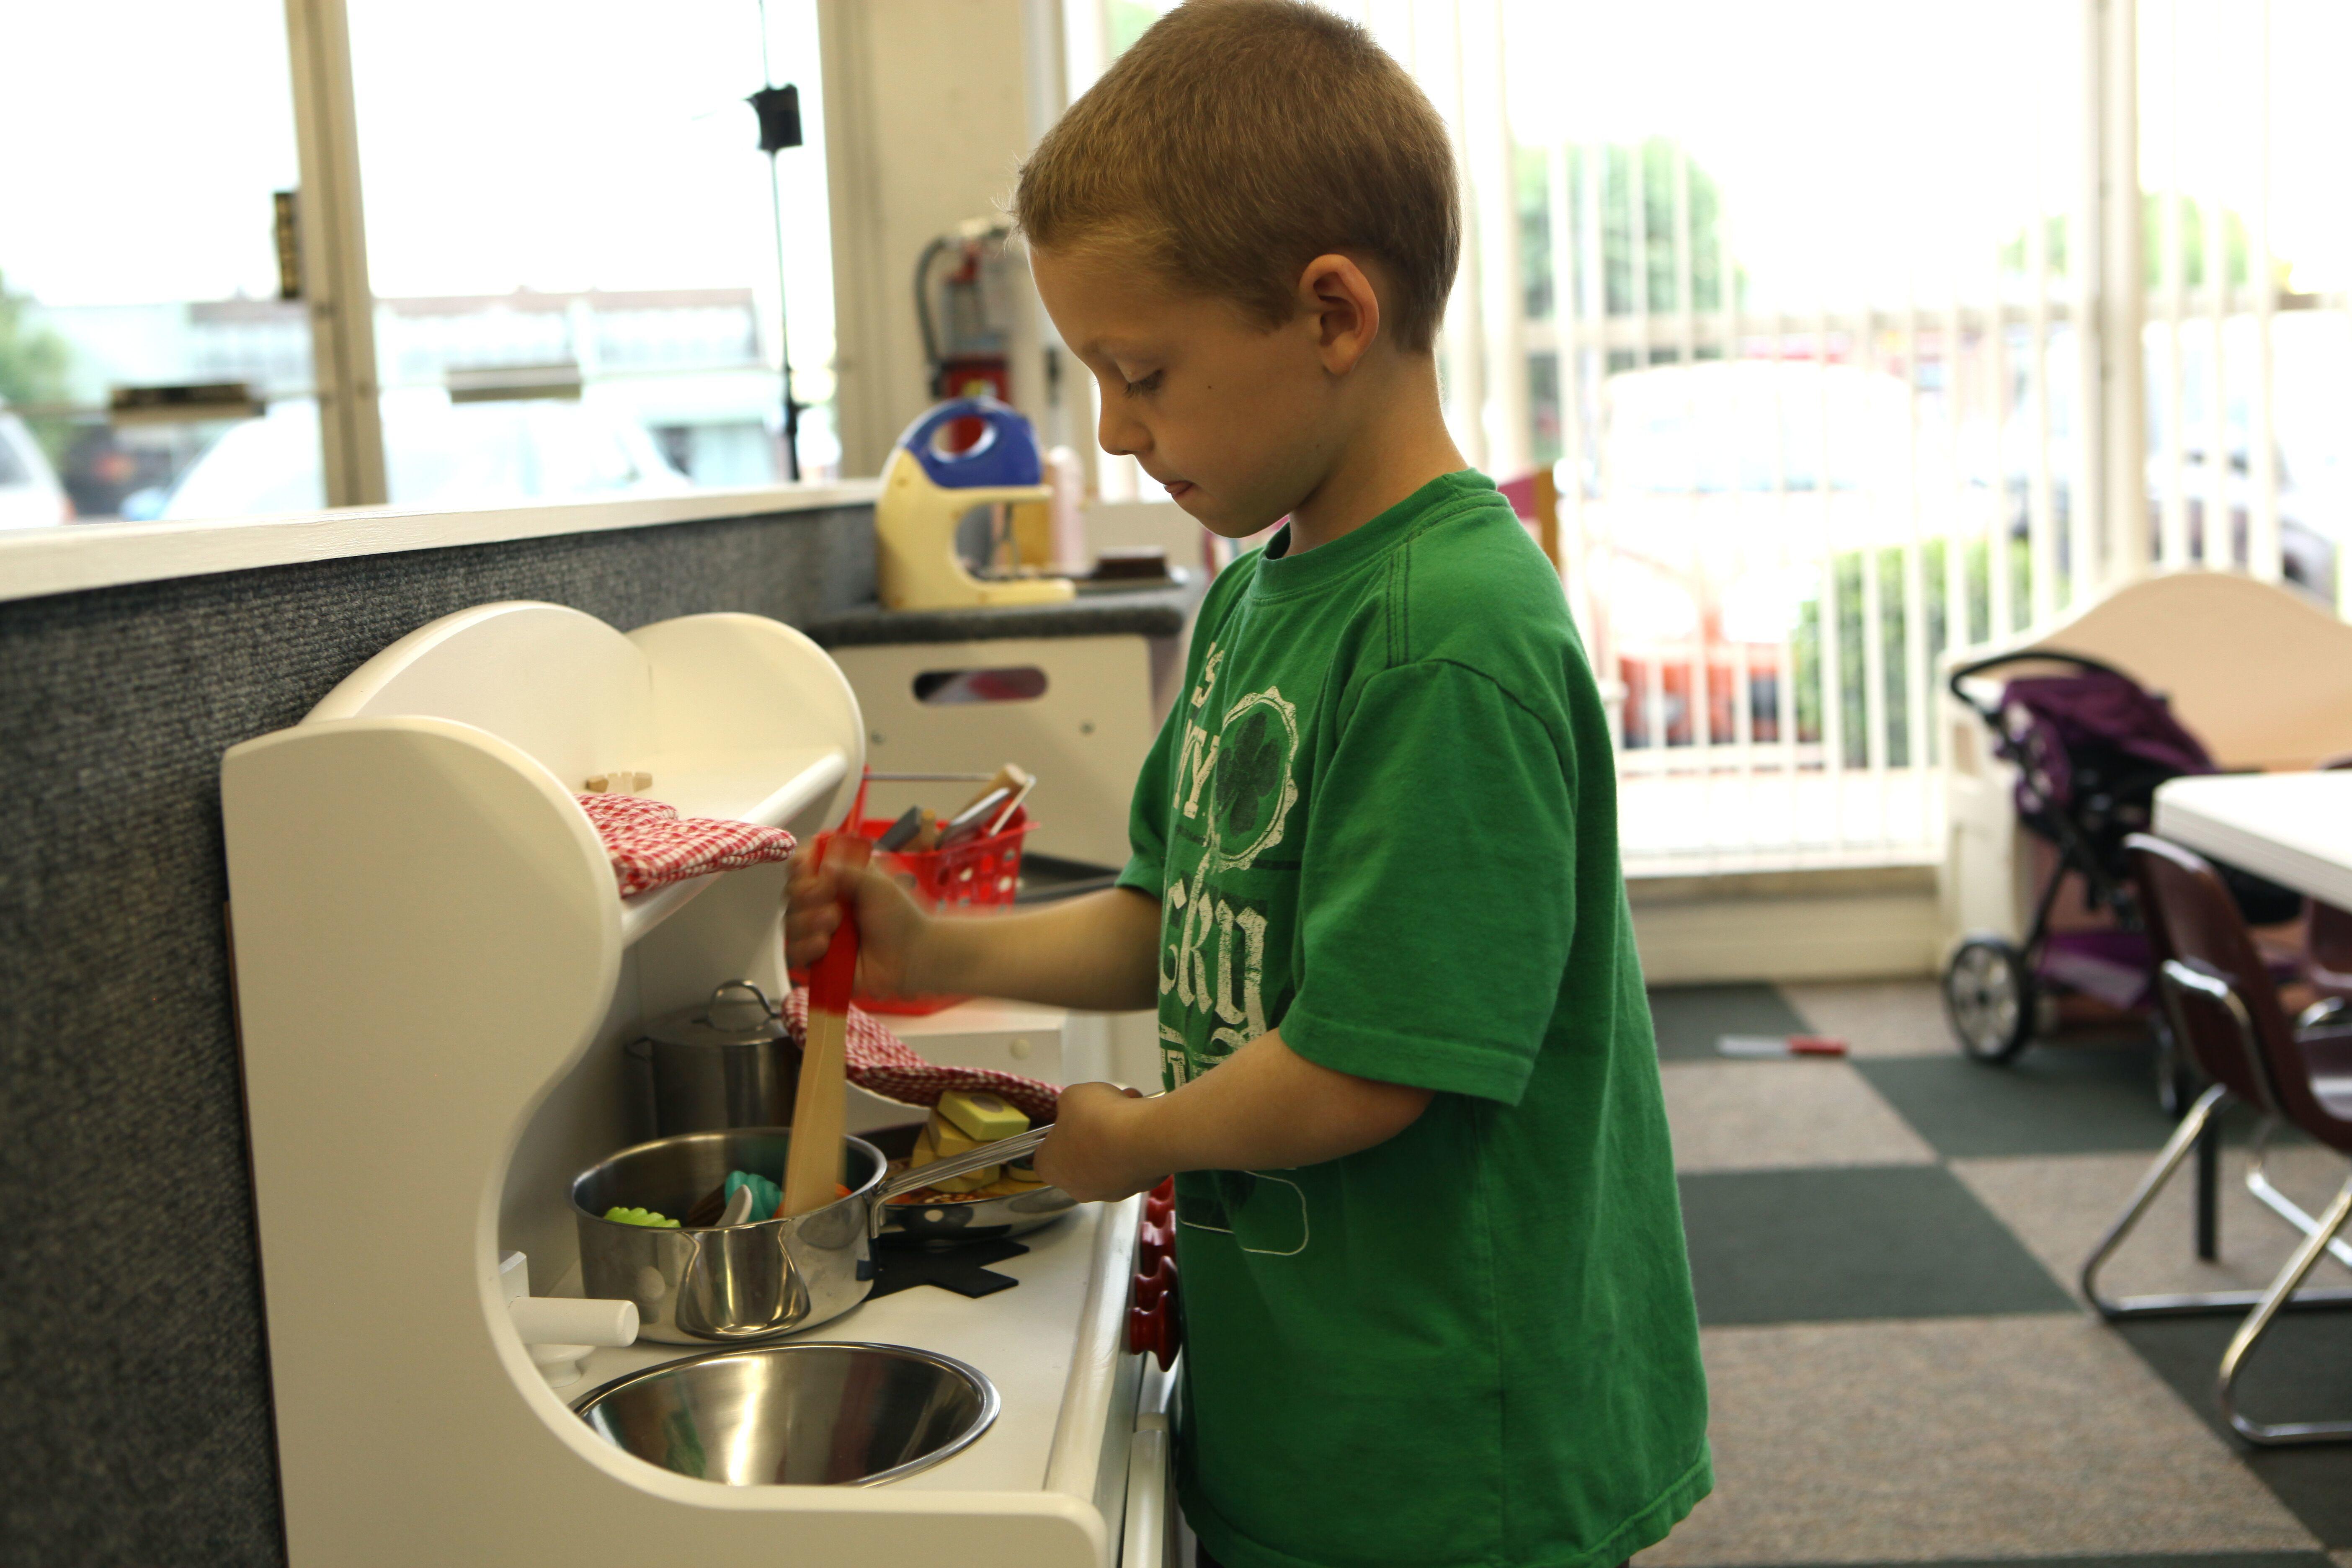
[(821, 1109)]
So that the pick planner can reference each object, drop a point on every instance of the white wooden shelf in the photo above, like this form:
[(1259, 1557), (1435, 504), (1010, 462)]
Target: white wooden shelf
[(743, 789)]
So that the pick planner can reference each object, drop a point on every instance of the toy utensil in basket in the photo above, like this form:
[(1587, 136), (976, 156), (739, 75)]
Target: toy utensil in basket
[(967, 860)]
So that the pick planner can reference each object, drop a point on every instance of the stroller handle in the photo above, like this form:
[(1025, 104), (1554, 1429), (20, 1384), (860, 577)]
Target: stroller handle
[(2029, 655)]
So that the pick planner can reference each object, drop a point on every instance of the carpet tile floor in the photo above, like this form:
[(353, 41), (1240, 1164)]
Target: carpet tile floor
[(1885, 1251)]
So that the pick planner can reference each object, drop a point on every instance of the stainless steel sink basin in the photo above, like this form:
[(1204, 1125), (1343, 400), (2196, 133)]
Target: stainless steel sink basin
[(822, 1413)]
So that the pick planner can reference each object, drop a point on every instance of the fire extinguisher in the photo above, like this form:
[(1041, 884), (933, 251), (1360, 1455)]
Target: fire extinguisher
[(961, 309)]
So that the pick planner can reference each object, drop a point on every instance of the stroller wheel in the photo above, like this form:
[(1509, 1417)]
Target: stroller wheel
[(1989, 998)]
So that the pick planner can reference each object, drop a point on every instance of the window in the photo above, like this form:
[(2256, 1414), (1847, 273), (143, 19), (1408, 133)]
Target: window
[(138, 246), (581, 268), (573, 248)]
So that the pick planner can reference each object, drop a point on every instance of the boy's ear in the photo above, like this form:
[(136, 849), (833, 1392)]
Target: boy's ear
[(1337, 300)]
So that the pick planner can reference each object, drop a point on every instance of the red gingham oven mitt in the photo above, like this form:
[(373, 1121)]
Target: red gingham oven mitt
[(652, 845), (882, 1063)]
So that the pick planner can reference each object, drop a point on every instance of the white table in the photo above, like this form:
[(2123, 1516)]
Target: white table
[(2294, 829)]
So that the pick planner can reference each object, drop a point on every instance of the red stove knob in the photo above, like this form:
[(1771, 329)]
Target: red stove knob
[(1160, 1204), (1152, 1289), (1144, 1331), (1153, 1243), (1155, 1322)]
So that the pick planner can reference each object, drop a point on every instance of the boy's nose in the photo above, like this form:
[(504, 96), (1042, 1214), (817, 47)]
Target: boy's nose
[(1122, 434)]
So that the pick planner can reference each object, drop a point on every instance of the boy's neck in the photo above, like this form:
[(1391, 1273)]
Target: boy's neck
[(1400, 445)]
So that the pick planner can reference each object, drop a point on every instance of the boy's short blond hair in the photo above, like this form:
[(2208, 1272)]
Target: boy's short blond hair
[(1237, 141)]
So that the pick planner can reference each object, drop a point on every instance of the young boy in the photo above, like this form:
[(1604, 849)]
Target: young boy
[(1437, 1309)]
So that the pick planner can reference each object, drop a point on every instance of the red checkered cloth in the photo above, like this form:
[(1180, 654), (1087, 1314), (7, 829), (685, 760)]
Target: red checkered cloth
[(652, 847), (881, 1062)]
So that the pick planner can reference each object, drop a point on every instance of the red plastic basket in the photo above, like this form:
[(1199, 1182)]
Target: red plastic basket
[(980, 873)]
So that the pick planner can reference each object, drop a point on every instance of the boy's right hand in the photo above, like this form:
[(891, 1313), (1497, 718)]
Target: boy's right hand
[(890, 927)]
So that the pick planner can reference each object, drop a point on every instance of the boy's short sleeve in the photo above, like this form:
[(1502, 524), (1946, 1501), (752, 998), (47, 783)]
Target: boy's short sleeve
[(1437, 892), (1147, 815)]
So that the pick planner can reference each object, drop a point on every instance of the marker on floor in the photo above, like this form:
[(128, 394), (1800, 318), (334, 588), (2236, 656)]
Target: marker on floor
[(1779, 1046)]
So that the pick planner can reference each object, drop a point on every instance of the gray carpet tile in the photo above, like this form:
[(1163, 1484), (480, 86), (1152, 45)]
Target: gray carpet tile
[(1804, 1111), (2054, 1099), (1958, 1439), (2301, 1371), (1895, 1241), (1878, 1017), (2060, 1205), (1689, 1019)]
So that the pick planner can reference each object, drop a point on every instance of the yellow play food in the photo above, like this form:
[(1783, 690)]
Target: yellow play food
[(962, 1121), (940, 1138), (983, 1118)]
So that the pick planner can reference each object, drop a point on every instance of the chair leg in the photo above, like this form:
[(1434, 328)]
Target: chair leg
[(2203, 1119), (2209, 1191), (2258, 1322), (2185, 1137), (2258, 1181)]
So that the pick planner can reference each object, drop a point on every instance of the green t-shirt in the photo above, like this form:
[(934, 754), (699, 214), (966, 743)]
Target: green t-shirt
[(1382, 819)]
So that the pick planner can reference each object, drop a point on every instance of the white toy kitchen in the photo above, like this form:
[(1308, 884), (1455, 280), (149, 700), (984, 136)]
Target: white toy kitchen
[(437, 985)]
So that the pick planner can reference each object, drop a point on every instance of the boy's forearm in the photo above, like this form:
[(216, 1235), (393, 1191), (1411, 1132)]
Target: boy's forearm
[(1265, 1107), (1098, 953)]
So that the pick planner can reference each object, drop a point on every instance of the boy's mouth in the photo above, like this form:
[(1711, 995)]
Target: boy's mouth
[(1178, 488)]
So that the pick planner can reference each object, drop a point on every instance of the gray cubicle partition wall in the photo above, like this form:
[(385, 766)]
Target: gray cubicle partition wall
[(136, 1428)]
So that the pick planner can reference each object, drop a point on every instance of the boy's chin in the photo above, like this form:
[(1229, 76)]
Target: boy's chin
[(1219, 522)]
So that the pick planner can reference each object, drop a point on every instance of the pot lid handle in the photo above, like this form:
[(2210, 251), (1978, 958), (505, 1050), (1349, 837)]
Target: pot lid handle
[(759, 998)]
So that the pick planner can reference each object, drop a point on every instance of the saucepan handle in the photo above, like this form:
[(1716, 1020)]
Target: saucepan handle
[(996, 1154)]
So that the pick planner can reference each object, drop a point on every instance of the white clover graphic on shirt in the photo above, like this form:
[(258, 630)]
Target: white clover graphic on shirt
[(1238, 783), (1252, 787), (1244, 769)]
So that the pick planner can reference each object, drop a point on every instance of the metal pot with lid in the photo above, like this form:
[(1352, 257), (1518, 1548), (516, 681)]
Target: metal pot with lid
[(723, 1063)]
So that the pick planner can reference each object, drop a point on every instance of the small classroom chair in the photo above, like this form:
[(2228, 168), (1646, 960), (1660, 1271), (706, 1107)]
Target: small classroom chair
[(2225, 1010)]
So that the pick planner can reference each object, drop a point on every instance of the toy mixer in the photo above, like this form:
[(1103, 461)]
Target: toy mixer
[(927, 491)]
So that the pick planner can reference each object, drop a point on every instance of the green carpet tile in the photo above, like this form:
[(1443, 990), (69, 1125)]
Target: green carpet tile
[(1873, 1241), (2054, 1099), (2301, 1372), (1689, 1019)]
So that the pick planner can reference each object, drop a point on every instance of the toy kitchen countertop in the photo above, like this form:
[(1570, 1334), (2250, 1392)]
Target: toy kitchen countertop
[(1052, 1346), (1157, 612)]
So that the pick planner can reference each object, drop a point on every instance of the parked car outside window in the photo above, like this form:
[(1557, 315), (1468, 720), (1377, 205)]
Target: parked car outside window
[(437, 454), (30, 495)]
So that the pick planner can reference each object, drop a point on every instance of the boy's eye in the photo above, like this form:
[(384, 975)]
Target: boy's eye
[(1145, 385)]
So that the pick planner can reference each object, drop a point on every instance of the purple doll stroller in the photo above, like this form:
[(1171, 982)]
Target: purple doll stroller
[(2090, 748)]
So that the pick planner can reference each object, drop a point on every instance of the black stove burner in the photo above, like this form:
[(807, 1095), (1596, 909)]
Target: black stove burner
[(958, 1269)]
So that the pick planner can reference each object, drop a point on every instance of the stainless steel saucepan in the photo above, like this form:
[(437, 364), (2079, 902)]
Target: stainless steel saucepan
[(731, 1284)]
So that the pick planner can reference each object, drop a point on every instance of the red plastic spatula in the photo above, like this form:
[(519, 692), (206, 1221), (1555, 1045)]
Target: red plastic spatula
[(1779, 1046), (821, 1107)]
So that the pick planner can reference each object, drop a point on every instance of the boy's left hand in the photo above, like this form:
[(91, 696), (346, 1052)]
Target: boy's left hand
[(1092, 1152)]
